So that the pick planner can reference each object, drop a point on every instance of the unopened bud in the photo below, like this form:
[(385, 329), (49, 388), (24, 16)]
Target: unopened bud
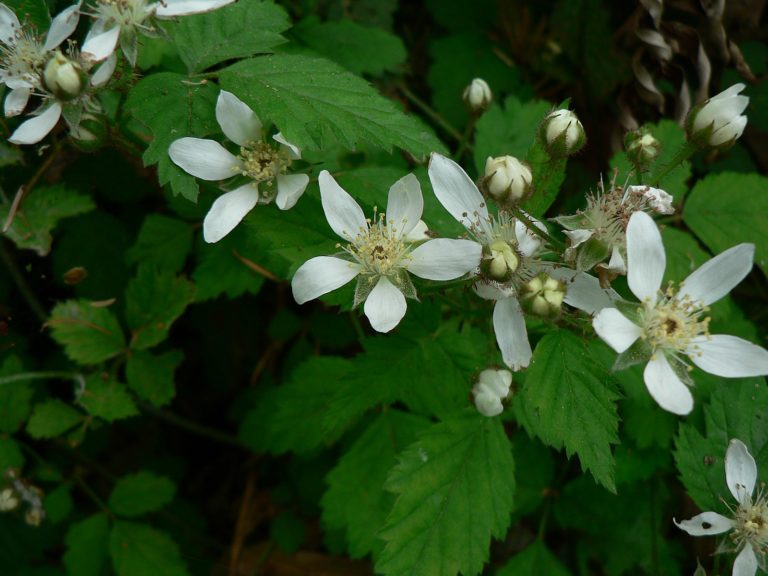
[(491, 388), (507, 180), (562, 133), (499, 261), (34, 516), (478, 96), (8, 500), (63, 77), (719, 122), (543, 296), (642, 148)]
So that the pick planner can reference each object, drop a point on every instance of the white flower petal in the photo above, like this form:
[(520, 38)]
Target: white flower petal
[(646, 259), (457, 193), (290, 187), (730, 131), (228, 210), (718, 276), (37, 127), (666, 388), (418, 233), (98, 47), (493, 291), (344, 215), (495, 381), (385, 306), (9, 23), (488, 404), (16, 101), (171, 8), (404, 205), (705, 524), (578, 236), (615, 329), (104, 72), (740, 470), (444, 259), (62, 26), (584, 291), (746, 562), (528, 242), (616, 263), (321, 275), (511, 334), (728, 356), (205, 159), (238, 122), (293, 150)]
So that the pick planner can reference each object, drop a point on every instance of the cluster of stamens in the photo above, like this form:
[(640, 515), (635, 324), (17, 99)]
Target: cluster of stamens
[(261, 162), (751, 520), (126, 13), (25, 56), (673, 322), (378, 248)]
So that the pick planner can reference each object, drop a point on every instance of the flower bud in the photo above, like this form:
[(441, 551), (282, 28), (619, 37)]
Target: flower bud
[(642, 148), (491, 388), (478, 96), (499, 261), (562, 133), (8, 500), (719, 122), (34, 516), (63, 77), (543, 296), (507, 180)]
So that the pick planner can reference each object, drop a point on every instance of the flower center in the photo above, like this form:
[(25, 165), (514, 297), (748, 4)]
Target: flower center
[(752, 523), (379, 249), (674, 322), (125, 13), (261, 162), (25, 56)]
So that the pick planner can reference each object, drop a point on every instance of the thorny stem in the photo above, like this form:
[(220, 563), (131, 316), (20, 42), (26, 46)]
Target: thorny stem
[(685, 152), (21, 284), (525, 219), (424, 107)]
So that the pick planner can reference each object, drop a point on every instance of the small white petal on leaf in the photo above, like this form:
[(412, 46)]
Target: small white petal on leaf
[(740, 470), (321, 275), (290, 187), (344, 215), (615, 329), (666, 388), (719, 275), (205, 159), (38, 127), (705, 524), (444, 259), (385, 306), (404, 205), (227, 211), (238, 122)]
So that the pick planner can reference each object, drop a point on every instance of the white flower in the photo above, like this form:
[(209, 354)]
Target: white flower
[(506, 179), (671, 325), (719, 121), (749, 525), (381, 253), (510, 259), (123, 19), (258, 160), (477, 95), (23, 54), (491, 388), (562, 133)]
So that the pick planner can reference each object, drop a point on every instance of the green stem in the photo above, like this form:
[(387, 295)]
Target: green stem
[(424, 107), (53, 375), (525, 219), (21, 284), (685, 152), (193, 427), (464, 142), (361, 335), (448, 284)]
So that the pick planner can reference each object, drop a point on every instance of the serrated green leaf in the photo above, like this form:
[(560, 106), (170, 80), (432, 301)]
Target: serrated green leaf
[(87, 546), (235, 31), (736, 410), (355, 500), (140, 493), (15, 397), (10, 455), (52, 418), (454, 487), (40, 212), (58, 503), (151, 376), (139, 550), (726, 209), (164, 242), (535, 559), (315, 103), (107, 399), (568, 399), (171, 107), (360, 49), (672, 138), (90, 334), (155, 298)]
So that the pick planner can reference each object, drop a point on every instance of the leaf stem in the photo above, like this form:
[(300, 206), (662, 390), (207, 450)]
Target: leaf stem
[(21, 284), (525, 219), (191, 426), (424, 107), (52, 375)]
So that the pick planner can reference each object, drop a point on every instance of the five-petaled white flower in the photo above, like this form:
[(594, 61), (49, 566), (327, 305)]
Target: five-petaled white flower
[(381, 252), (258, 160), (123, 19), (23, 55), (749, 525), (671, 324), (510, 260)]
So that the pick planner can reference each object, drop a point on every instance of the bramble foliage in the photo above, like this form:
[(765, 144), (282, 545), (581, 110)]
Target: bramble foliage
[(382, 287)]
